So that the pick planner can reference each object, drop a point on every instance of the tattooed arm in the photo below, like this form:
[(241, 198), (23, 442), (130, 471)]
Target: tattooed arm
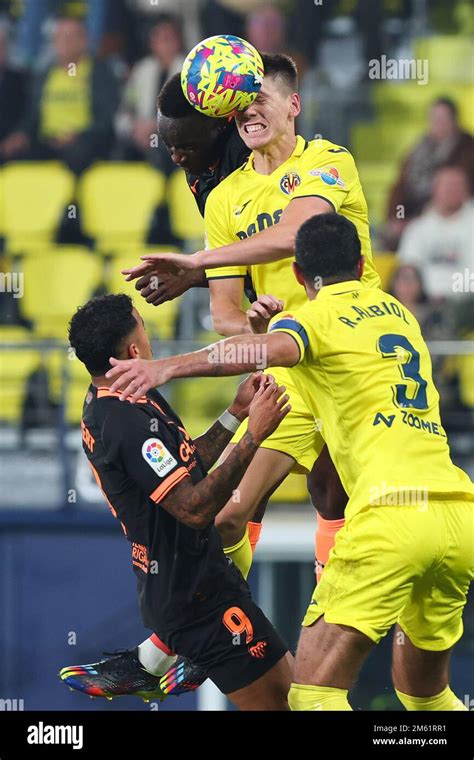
[(212, 443), (197, 505)]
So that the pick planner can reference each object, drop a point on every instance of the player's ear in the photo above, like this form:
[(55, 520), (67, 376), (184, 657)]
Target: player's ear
[(295, 105), (360, 267), (133, 351), (297, 272)]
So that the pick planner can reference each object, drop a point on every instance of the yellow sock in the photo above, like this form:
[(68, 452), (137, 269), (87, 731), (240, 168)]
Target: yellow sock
[(325, 698), (241, 553), (445, 700)]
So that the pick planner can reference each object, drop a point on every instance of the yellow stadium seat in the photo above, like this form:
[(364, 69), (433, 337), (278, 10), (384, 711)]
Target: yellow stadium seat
[(409, 102), (56, 284), (35, 196), (160, 320), (464, 368), (199, 401), (385, 264), (377, 178), (117, 201), (185, 220), (17, 364), (2, 205), (450, 57), (385, 141), (68, 380)]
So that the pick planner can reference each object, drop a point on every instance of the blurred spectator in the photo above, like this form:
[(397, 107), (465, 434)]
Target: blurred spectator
[(445, 144), (226, 16), (145, 12), (135, 122), (266, 29), (13, 90), (440, 241), (407, 285), (72, 106), (36, 12), (436, 320)]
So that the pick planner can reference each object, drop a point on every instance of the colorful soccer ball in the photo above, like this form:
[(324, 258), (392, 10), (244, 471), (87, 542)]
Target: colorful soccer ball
[(221, 75)]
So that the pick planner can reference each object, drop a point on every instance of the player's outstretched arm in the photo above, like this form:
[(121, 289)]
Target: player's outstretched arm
[(271, 244), (157, 290), (197, 505), (212, 443), (232, 356)]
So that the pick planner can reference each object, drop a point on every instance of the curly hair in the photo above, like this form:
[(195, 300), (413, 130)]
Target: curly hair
[(99, 328)]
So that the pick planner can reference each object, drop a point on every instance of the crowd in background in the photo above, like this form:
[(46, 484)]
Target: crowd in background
[(122, 52)]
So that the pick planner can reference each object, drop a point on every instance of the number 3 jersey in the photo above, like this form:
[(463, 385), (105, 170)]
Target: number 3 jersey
[(365, 373), (139, 453)]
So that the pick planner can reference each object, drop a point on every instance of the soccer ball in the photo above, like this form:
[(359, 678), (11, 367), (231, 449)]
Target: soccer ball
[(221, 75)]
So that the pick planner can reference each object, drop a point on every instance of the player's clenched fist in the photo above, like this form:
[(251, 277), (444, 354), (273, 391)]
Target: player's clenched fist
[(268, 408), (261, 312)]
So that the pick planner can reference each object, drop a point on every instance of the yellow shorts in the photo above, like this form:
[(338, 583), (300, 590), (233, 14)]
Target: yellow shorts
[(298, 434), (400, 564)]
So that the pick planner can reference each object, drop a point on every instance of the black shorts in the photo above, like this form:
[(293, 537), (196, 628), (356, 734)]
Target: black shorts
[(236, 644)]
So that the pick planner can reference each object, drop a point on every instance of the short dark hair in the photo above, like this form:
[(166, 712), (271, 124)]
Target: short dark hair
[(279, 65), (172, 101), (447, 103), (327, 246), (99, 328)]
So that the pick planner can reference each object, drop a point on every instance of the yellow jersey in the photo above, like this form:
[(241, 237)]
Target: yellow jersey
[(365, 374), (66, 105), (247, 202)]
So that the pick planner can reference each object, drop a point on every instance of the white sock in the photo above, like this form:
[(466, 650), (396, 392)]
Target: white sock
[(153, 659)]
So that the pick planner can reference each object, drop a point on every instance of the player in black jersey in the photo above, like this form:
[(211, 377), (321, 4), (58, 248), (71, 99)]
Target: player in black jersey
[(154, 478), (208, 150)]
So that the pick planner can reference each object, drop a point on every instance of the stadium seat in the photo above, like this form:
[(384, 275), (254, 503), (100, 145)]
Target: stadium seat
[(377, 178), (159, 320), (2, 205), (17, 366), (68, 381), (383, 140), (385, 264), (199, 401), (55, 284), (409, 101), (450, 57), (185, 220), (35, 196), (117, 201)]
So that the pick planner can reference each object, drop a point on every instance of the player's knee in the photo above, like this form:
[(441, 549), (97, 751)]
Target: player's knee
[(329, 502)]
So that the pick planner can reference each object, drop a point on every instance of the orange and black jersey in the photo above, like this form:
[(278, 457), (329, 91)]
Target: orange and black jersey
[(231, 152), (139, 453)]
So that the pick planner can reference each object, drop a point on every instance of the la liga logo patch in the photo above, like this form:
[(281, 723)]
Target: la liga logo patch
[(289, 182), (155, 453), (329, 176)]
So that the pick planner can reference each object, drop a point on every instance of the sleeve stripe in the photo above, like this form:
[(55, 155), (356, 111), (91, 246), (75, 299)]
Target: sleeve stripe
[(170, 482), (224, 276), (293, 326), (315, 195)]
